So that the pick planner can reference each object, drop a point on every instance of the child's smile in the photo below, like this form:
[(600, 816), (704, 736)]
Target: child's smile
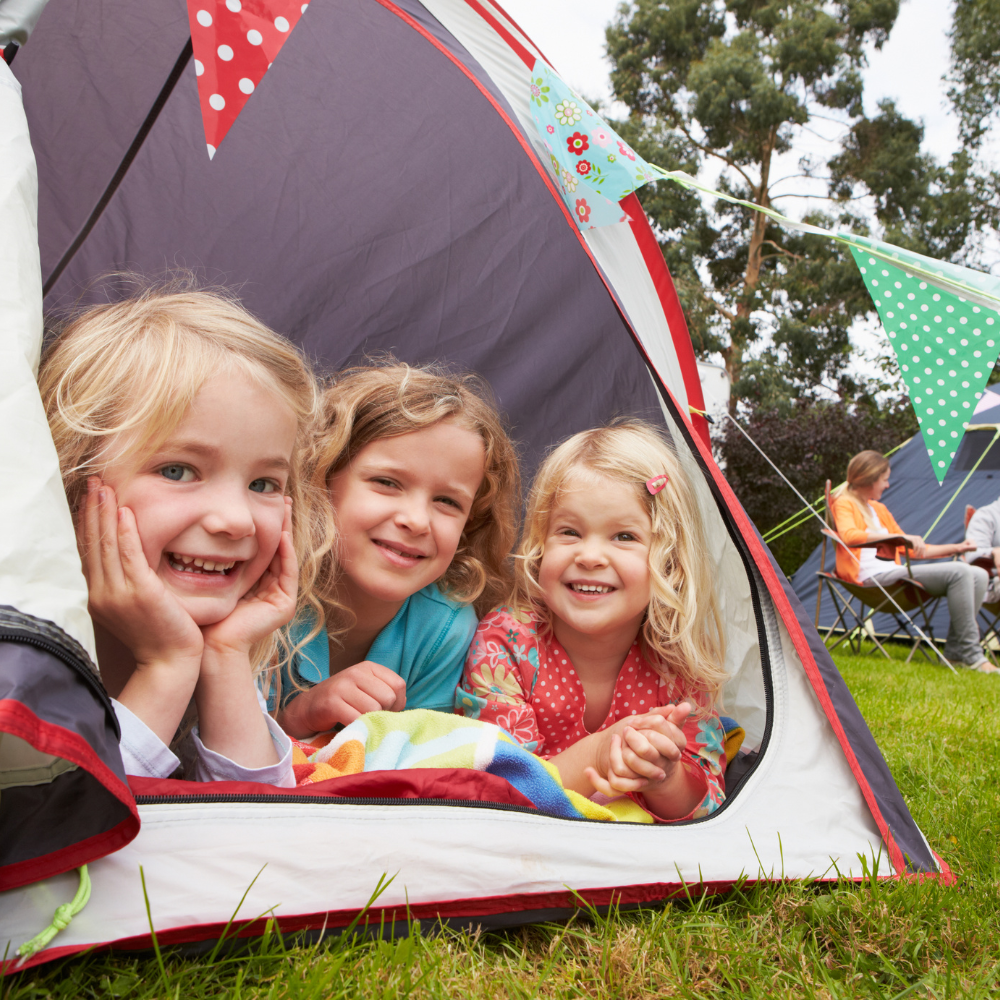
[(190, 564), (209, 503)]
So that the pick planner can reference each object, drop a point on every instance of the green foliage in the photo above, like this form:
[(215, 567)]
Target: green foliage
[(923, 206), (868, 939), (810, 442), (975, 66)]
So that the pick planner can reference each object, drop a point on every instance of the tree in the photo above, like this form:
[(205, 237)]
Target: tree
[(975, 67), (733, 81)]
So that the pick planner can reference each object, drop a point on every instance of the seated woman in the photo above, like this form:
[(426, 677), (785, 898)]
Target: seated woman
[(860, 517)]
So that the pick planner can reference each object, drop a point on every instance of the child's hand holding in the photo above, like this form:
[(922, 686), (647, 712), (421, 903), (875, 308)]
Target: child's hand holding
[(130, 601), (640, 751), (644, 754), (340, 699)]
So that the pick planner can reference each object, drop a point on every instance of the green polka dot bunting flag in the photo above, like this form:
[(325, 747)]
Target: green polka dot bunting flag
[(946, 347)]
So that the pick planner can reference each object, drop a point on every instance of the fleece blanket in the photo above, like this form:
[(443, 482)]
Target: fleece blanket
[(383, 741)]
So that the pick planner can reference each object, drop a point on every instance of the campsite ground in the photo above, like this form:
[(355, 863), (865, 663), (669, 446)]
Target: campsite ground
[(877, 939)]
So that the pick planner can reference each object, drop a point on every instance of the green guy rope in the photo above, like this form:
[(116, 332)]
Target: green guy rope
[(61, 919)]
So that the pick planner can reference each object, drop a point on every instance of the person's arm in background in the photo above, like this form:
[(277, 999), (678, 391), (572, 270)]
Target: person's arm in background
[(984, 532)]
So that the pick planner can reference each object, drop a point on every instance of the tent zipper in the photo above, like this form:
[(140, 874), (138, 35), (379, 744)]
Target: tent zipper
[(162, 800), (63, 654)]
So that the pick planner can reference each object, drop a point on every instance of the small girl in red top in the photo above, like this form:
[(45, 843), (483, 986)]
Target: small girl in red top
[(608, 659)]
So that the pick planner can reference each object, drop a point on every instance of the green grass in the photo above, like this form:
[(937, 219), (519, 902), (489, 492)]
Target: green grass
[(875, 939)]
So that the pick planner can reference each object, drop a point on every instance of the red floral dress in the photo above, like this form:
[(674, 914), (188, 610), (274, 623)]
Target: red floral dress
[(525, 683)]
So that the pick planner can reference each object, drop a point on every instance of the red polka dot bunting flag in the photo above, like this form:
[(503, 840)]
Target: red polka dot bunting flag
[(234, 43)]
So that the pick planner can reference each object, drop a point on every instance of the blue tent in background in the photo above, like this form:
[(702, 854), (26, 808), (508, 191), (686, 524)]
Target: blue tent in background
[(915, 500)]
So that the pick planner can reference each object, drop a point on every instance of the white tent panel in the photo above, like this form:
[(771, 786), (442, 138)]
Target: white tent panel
[(40, 570), (800, 814)]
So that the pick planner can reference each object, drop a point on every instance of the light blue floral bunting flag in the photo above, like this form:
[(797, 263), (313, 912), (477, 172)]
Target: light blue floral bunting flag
[(594, 167)]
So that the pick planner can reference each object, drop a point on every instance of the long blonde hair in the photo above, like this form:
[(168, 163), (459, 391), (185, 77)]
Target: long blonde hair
[(387, 399), (864, 470), (120, 377), (682, 633)]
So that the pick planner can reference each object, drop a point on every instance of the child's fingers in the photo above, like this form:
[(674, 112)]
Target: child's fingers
[(640, 757), (132, 558), (392, 694), (599, 783), (664, 744), (680, 714), (287, 569), (88, 536), (111, 563)]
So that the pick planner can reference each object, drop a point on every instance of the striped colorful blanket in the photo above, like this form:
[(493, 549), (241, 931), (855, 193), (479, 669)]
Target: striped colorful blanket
[(382, 741)]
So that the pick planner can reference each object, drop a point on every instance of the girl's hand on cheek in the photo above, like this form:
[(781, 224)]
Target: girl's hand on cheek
[(125, 595), (266, 606)]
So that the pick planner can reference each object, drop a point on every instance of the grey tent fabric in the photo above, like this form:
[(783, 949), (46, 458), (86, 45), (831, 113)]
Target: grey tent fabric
[(64, 799), (473, 261)]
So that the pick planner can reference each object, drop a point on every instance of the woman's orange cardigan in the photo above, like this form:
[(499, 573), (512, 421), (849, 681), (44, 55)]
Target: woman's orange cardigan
[(853, 528)]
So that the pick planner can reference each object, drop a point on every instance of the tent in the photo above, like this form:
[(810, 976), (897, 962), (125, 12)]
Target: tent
[(385, 189), (916, 500)]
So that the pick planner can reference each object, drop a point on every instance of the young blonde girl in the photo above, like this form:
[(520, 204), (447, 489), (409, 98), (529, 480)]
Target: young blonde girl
[(424, 489), (179, 419), (609, 656)]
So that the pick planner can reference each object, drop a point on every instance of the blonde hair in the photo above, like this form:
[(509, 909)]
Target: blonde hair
[(682, 633), (120, 377), (864, 470), (387, 399)]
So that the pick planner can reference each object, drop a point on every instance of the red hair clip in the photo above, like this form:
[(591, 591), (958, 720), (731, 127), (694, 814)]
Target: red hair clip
[(657, 483)]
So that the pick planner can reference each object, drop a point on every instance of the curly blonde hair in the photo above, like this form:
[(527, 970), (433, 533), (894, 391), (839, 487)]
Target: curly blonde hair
[(682, 632), (387, 399), (120, 377)]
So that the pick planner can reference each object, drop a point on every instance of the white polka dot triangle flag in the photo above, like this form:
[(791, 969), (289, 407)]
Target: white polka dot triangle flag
[(234, 43), (946, 347)]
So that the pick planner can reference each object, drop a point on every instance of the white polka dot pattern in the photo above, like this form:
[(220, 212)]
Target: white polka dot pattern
[(946, 348), (234, 44), (551, 705)]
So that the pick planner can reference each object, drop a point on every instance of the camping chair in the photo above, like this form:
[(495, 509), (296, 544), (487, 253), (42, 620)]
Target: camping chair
[(989, 614), (895, 599)]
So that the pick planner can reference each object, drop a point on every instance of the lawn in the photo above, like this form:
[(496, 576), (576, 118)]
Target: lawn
[(877, 939)]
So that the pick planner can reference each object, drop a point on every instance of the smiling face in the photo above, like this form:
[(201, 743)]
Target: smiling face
[(209, 503), (401, 506), (594, 571)]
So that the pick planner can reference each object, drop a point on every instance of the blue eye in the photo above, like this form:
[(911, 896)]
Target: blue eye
[(177, 473), (263, 486)]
